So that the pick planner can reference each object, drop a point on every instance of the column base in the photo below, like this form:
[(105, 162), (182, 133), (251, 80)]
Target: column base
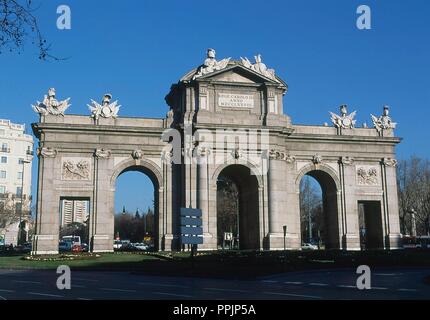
[(209, 242), (102, 243), (393, 241), (351, 242), (45, 244), (275, 241)]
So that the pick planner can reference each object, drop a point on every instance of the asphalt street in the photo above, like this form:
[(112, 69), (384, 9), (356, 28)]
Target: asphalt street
[(309, 285)]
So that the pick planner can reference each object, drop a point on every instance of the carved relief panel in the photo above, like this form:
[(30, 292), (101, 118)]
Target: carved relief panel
[(74, 168), (367, 175)]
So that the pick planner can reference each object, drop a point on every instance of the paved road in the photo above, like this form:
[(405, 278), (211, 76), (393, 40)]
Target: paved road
[(326, 284)]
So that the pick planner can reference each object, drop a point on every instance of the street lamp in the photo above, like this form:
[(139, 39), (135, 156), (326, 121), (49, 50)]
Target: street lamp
[(413, 223), (23, 162), (285, 237)]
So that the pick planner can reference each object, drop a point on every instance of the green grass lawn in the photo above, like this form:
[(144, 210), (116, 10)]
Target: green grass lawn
[(228, 264), (105, 260)]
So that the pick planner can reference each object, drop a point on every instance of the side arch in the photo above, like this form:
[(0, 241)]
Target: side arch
[(144, 165), (150, 169)]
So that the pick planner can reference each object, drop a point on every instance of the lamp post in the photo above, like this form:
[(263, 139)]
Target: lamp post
[(285, 237), (413, 223), (23, 162)]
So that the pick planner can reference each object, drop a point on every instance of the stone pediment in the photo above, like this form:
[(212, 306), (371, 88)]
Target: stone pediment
[(235, 72)]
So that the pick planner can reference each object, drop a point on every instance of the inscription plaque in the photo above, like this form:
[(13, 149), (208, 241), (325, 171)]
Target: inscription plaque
[(233, 100)]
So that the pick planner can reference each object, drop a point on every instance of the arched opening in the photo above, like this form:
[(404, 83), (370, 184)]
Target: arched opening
[(237, 208), (318, 211), (136, 210)]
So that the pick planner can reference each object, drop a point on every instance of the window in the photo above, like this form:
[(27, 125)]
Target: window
[(3, 159), (21, 161), (18, 191), (2, 174), (2, 189), (20, 175), (4, 147)]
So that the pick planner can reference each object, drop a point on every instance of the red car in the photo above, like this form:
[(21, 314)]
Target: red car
[(76, 248)]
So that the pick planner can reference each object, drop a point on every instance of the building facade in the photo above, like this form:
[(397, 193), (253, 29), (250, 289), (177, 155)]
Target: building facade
[(226, 120), (16, 154)]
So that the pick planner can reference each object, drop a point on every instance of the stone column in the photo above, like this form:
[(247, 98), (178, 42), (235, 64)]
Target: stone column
[(45, 240), (391, 204), (169, 195), (276, 180), (348, 216), (209, 241), (102, 217)]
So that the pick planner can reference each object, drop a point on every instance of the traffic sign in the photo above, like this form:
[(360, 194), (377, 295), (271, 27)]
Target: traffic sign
[(195, 231), (191, 226)]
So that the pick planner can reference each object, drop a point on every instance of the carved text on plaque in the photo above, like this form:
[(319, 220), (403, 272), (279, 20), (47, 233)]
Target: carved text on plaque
[(233, 100)]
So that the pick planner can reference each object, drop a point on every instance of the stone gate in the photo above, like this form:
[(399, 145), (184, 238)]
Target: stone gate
[(227, 119)]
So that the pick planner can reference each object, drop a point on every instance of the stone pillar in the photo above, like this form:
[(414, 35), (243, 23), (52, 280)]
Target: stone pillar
[(45, 240), (209, 241), (279, 215), (349, 232), (169, 195), (102, 216), (391, 205)]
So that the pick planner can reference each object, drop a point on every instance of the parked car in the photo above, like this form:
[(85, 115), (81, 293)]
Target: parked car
[(64, 246), (74, 240), (309, 246), (140, 246), (26, 247), (76, 248), (85, 247), (117, 244)]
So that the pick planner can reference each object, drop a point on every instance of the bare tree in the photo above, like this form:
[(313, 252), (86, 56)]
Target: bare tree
[(310, 208), (17, 23), (227, 207), (413, 180)]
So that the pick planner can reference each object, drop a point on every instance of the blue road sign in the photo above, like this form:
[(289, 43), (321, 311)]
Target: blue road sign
[(188, 212), (191, 240), (186, 221), (194, 231), (191, 226)]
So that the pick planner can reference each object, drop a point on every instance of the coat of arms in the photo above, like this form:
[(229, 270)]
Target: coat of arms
[(344, 120), (106, 109)]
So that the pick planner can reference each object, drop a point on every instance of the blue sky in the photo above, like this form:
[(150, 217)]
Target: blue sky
[(137, 49)]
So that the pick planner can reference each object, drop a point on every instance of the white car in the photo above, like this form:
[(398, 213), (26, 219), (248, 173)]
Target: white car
[(309, 246), (117, 244), (140, 246)]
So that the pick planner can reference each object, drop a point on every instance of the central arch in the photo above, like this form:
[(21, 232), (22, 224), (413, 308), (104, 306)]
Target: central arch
[(329, 184), (245, 226)]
